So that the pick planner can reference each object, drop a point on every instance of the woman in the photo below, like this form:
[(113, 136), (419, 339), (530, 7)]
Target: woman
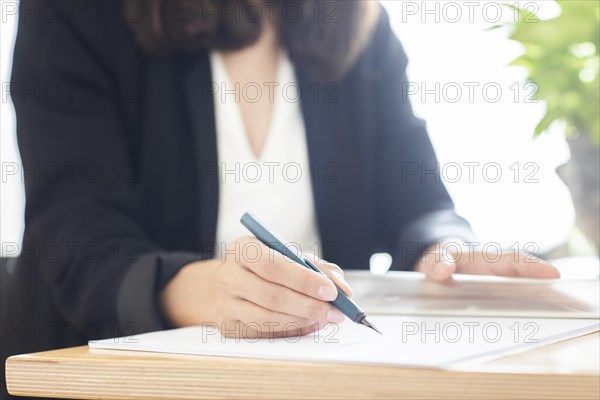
[(138, 173)]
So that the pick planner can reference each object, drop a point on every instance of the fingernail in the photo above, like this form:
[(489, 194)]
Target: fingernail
[(327, 293), (335, 316)]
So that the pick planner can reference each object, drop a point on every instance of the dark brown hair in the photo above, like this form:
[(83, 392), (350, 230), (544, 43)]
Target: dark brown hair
[(322, 37)]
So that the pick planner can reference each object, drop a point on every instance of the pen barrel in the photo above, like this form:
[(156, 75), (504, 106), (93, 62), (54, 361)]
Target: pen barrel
[(341, 302), (348, 307)]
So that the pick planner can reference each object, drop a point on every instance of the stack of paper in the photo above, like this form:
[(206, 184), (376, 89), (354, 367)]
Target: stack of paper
[(432, 342), (424, 324)]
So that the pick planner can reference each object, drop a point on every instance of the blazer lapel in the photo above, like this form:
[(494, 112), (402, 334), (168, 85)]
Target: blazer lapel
[(339, 160), (197, 87)]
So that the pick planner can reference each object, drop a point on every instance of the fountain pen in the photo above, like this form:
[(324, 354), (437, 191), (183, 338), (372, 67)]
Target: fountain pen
[(277, 243)]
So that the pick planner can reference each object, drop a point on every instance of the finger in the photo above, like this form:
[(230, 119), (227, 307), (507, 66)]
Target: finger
[(231, 329), (437, 266), (509, 265), (284, 300), (334, 272), (236, 329), (479, 263), (538, 269), (288, 332), (264, 320), (440, 271), (274, 267), (524, 266)]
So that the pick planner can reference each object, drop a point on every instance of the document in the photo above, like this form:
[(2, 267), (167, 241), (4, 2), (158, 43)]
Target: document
[(410, 293), (414, 341)]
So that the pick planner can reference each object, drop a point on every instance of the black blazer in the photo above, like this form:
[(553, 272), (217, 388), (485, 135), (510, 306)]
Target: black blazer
[(121, 170)]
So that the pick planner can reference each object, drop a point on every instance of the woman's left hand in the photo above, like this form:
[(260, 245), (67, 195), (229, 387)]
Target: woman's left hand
[(441, 261)]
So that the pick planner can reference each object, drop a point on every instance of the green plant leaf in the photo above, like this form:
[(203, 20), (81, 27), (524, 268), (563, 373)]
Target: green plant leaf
[(556, 68)]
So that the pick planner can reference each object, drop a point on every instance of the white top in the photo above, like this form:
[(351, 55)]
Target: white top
[(276, 187)]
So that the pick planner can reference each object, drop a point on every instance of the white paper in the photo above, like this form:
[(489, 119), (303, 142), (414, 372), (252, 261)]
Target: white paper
[(433, 342)]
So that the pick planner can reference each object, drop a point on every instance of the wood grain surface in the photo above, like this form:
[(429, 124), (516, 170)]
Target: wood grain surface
[(566, 370)]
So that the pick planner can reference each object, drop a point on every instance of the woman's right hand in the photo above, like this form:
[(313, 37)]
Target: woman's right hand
[(253, 291), (261, 293)]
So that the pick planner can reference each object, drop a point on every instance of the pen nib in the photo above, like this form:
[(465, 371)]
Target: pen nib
[(366, 323)]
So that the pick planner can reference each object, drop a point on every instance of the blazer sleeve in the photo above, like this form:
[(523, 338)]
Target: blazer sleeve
[(84, 230), (416, 210)]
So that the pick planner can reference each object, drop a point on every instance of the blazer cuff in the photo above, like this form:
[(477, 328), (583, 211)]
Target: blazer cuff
[(428, 229), (137, 307)]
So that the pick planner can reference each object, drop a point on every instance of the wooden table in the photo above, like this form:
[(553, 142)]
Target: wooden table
[(566, 370)]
